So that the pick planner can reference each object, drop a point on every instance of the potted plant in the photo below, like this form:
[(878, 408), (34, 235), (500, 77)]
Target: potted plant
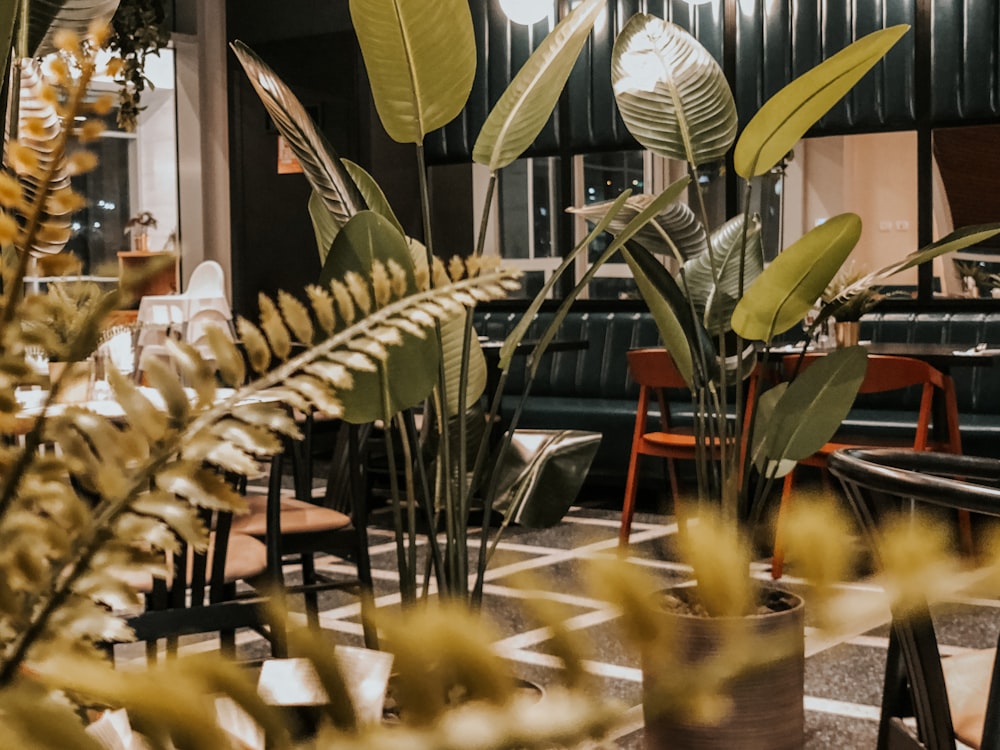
[(418, 87), (723, 304)]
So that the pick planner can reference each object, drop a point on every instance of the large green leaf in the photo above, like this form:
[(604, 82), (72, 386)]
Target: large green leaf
[(814, 405), (715, 295), (786, 116), (791, 284), (46, 17), (320, 163), (452, 351), (8, 15), (371, 191), (525, 106), (682, 333), (413, 366), (326, 224), (957, 240), (675, 231), (421, 61), (672, 94)]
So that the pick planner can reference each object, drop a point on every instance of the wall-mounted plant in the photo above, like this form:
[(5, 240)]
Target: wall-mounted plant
[(139, 29)]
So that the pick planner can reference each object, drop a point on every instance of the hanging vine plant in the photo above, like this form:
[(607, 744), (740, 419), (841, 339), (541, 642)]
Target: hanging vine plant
[(139, 28)]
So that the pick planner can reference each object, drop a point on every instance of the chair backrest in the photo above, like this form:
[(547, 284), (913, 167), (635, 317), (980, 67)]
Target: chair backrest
[(199, 594), (879, 481), (207, 280), (654, 368), (887, 373), (884, 373)]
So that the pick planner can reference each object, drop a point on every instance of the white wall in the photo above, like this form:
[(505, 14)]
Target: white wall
[(872, 175)]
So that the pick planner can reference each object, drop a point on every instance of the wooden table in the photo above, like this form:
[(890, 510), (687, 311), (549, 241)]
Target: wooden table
[(942, 356)]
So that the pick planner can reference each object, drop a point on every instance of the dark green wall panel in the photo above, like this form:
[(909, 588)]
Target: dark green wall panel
[(503, 47), (775, 41), (965, 60), (782, 39)]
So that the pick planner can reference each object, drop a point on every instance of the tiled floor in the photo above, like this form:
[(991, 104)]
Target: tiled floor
[(843, 675)]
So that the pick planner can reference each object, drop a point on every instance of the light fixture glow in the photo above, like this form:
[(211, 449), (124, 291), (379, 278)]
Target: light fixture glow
[(698, 2), (526, 12)]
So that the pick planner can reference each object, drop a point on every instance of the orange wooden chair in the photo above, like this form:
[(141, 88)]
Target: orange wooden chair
[(654, 371), (885, 373)]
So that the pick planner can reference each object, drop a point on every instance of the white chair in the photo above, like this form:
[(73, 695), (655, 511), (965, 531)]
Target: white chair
[(186, 316)]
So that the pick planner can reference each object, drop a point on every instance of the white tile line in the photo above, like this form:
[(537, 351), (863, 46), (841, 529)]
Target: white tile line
[(842, 708), (601, 669), (540, 635)]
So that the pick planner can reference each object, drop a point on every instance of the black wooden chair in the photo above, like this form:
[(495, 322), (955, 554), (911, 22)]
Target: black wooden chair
[(958, 696), (200, 596), (295, 530)]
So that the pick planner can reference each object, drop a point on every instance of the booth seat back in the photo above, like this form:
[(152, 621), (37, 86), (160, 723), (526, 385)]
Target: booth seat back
[(977, 389), (598, 371)]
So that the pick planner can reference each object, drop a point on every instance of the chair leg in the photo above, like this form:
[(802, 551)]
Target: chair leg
[(628, 506), (310, 595), (778, 553)]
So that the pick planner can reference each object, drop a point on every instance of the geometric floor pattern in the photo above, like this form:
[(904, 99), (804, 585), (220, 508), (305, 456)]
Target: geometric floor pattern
[(843, 675)]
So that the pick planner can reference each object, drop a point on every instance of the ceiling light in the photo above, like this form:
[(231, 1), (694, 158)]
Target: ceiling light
[(526, 12)]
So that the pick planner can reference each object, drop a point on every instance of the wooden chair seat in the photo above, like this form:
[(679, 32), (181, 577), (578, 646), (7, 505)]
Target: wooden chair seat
[(246, 557), (655, 373), (297, 517), (968, 678)]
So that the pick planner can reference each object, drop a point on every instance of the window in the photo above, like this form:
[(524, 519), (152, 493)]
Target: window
[(528, 198)]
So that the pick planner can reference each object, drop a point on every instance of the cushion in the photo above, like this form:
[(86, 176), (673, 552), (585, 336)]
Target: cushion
[(246, 557), (967, 676), (297, 517)]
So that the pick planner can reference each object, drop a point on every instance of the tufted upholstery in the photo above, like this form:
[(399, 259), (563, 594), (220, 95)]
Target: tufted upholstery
[(591, 389)]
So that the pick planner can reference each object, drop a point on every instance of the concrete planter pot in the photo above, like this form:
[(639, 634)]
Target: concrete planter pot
[(765, 702)]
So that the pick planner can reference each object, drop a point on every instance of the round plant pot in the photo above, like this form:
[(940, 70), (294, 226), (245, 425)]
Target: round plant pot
[(847, 333), (763, 702)]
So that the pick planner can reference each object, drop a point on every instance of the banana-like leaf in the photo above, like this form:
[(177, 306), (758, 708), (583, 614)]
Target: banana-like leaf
[(452, 340), (606, 220), (47, 17), (672, 94), (51, 171), (683, 335), (715, 296), (791, 284), (786, 116), (320, 163), (412, 368), (421, 61), (525, 106), (957, 240), (8, 16), (675, 231), (372, 193), (668, 196), (326, 225), (814, 405)]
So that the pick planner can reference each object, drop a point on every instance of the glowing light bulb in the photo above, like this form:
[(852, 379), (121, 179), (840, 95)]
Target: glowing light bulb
[(526, 12)]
